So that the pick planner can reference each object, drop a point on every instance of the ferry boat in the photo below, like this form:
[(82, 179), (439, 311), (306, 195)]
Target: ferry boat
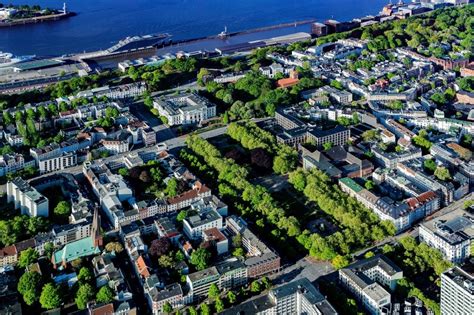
[(8, 59)]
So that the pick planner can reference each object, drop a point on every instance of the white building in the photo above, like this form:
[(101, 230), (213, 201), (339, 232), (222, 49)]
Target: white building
[(272, 70), (56, 163), (11, 163), (195, 225), (185, 109), (110, 189), (451, 234), (296, 297), (26, 198), (457, 291), (365, 280), (116, 146), (199, 282)]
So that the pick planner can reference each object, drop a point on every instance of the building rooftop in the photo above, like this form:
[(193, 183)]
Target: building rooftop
[(214, 234), (183, 102), (359, 268), (37, 64), (453, 227), (29, 190), (463, 276), (203, 218), (71, 251), (319, 133), (169, 291), (229, 265), (211, 272), (349, 182), (264, 302)]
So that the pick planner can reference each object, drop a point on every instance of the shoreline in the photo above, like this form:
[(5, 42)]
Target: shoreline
[(183, 42), (38, 19)]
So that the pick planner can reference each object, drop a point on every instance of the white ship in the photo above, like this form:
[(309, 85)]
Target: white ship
[(8, 59)]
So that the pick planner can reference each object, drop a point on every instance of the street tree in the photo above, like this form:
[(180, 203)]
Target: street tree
[(213, 291), (51, 296), (84, 295), (105, 295), (27, 257), (200, 258), (29, 287)]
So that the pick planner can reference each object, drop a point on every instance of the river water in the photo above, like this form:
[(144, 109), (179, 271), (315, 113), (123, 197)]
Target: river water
[(101, 23)]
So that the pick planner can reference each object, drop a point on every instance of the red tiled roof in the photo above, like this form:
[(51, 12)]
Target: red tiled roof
[(426, 196), (214, 234), (412, 203), (107, 309), (142, 267), (287, 82), (8, 251), (190, 194), (187, 246)]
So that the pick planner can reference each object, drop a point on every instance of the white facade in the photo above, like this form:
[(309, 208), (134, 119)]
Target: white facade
[(57, 163), (185, 109), (116, 146), (11, 163), (457, 292), (366, 281), (451, 234), (27, 199), (194, 226)]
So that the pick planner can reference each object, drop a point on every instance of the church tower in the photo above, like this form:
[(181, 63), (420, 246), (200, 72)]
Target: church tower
[(95, 229)]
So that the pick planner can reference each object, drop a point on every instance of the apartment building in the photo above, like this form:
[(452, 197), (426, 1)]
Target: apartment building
[(27, 198), (457, 290), (337, 136), (172, 294), (195, 225), (61, 162), (413, 170), (451, 234), (391, 159), (399, 130), (366, 280), (199, 282), (262, 260), (216, 239), (8, 256), (110, 189), (340, 96), (403, 214), (185, 109), (11, 163), (116, 92), (197, 192), (296, 297), (233, 273), (275, 68)]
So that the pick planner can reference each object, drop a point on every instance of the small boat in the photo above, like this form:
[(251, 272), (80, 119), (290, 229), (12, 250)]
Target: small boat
[(224, 34)]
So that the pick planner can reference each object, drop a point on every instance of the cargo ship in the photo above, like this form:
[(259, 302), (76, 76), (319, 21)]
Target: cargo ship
[(8, 59), (136, 43)]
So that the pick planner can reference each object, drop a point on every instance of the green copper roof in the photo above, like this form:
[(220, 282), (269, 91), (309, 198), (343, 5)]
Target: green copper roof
[(349, 182), (77, 249)]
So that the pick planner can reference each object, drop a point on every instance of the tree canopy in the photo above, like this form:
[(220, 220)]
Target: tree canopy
[(51, 296)]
